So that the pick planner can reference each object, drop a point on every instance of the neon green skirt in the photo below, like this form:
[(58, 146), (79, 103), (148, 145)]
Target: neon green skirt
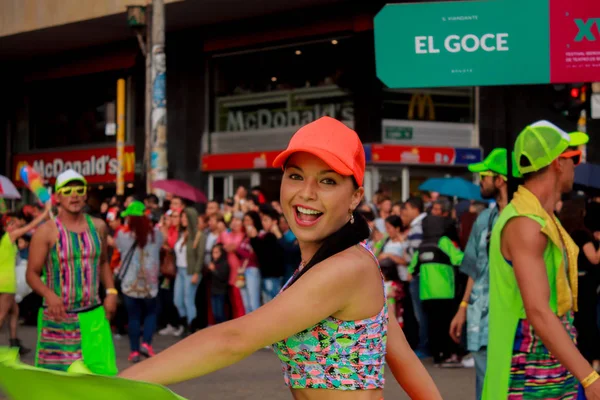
[(80, 336)]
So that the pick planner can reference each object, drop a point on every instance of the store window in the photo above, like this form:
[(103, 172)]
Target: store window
[(72, 111), (282, 87)]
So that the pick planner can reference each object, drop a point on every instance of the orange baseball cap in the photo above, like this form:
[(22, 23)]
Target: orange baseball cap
[(333, 142)]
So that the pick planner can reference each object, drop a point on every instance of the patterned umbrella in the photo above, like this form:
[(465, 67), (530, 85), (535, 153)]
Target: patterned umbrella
[(7, 189)]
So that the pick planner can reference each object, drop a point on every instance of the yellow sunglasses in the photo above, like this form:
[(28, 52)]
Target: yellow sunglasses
[(73, 190), (490, 173)]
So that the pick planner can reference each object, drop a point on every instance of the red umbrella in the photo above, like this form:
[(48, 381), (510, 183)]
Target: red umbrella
[(180, 189)]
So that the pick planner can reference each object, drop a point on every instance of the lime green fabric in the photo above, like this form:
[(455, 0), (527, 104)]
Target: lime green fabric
[(96, 345), (135, 209), (578, 139), (23, 382), (506, 305), (437, 281), (496, 162), (8, 265)]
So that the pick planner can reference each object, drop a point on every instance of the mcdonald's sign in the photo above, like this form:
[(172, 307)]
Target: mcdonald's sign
[(424, 104), (96, 165)]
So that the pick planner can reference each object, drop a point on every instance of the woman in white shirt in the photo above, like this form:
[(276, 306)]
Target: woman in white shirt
[(395, 245), (189, 258)]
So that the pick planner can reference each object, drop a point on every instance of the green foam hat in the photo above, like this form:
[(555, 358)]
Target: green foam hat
[(135, 209), (496, 163)]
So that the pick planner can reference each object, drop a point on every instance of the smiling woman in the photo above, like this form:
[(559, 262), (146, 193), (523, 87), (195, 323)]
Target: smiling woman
[(336, 295)]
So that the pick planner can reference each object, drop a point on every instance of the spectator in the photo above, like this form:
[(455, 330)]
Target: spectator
[(189, 258), (115, 225), (397, 209), (269, 252), (239, 255), (412, 217), (128, 201), (212, 208), (394, 246), (441, 207), (385, 209), (176, 204), (277, 206), (103, 209), (375, 236), (291, 250), (434, 263), (228, 210), (258, 194), (152, 205), (140, 246), (252, 290), (219, 268), (239, 201)]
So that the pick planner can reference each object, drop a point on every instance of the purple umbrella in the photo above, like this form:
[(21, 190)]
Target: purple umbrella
[(180, 189)]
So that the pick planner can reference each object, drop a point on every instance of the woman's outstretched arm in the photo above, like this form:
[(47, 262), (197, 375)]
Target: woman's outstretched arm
[(407, 368), (323, 291)]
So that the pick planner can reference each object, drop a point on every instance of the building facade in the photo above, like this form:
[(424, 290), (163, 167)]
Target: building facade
[(240, 81)]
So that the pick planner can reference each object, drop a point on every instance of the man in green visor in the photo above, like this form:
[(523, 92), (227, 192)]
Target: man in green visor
[(71, 255), (474, 306), (533, 279)]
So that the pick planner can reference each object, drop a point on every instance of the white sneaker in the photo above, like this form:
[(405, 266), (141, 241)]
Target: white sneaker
[(178, 331), (168, 330), (468, 362)]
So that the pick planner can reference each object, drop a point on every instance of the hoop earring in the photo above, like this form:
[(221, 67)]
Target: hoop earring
[(351, 217)]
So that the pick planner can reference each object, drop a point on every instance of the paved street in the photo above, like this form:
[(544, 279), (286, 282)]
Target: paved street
[(259, 377)]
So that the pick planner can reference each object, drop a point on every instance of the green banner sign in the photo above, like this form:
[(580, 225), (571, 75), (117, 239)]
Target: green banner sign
[(468, 43)]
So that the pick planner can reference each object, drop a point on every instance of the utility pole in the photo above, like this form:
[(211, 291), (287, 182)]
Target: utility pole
[(148, 101), (139, 18), (158, 158)]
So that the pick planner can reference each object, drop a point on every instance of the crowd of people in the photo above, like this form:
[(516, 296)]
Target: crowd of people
[(456, 274)]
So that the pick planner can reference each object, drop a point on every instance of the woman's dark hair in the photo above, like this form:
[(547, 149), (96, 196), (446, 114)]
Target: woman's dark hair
[(223, 253), (268, 210), (141, 228), (389, 269), (255, 217), (572, 215), (368, 215), (394, 221), (347, 236)]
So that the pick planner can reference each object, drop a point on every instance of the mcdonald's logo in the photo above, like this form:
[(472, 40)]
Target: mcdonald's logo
[(423, 102)]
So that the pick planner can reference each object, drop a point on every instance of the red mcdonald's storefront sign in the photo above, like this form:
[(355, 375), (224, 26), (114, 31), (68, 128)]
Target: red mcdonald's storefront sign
[(97, 165)]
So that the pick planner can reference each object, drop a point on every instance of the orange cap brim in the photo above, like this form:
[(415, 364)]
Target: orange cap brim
[(327, 157)]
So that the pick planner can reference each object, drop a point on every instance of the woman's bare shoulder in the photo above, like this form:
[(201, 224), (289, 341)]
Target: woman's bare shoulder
[(355, 261)]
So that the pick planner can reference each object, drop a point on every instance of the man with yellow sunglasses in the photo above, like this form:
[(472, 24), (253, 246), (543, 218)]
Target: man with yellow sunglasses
[(474, 306), (71, 252)]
